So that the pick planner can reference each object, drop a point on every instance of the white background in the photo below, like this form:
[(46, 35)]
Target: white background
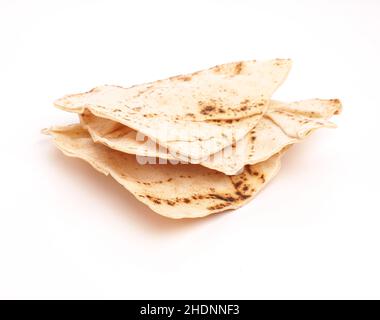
[(67, 231)]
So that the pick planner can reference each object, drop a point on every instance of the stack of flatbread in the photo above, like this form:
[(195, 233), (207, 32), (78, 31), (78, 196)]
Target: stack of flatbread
[(196, 144)]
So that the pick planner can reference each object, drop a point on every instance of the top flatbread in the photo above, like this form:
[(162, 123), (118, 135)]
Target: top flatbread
[(190, 109)]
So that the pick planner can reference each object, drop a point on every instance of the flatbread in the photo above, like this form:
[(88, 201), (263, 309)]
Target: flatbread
[(174, 191), (187, 114), (122, 138), (282, 125)]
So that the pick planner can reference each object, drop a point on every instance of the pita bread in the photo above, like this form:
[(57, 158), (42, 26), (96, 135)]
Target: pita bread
[(283, 124), (187, 114), (122, 138), (174, 191)]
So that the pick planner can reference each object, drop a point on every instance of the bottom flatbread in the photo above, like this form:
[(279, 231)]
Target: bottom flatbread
[(174, 191)]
